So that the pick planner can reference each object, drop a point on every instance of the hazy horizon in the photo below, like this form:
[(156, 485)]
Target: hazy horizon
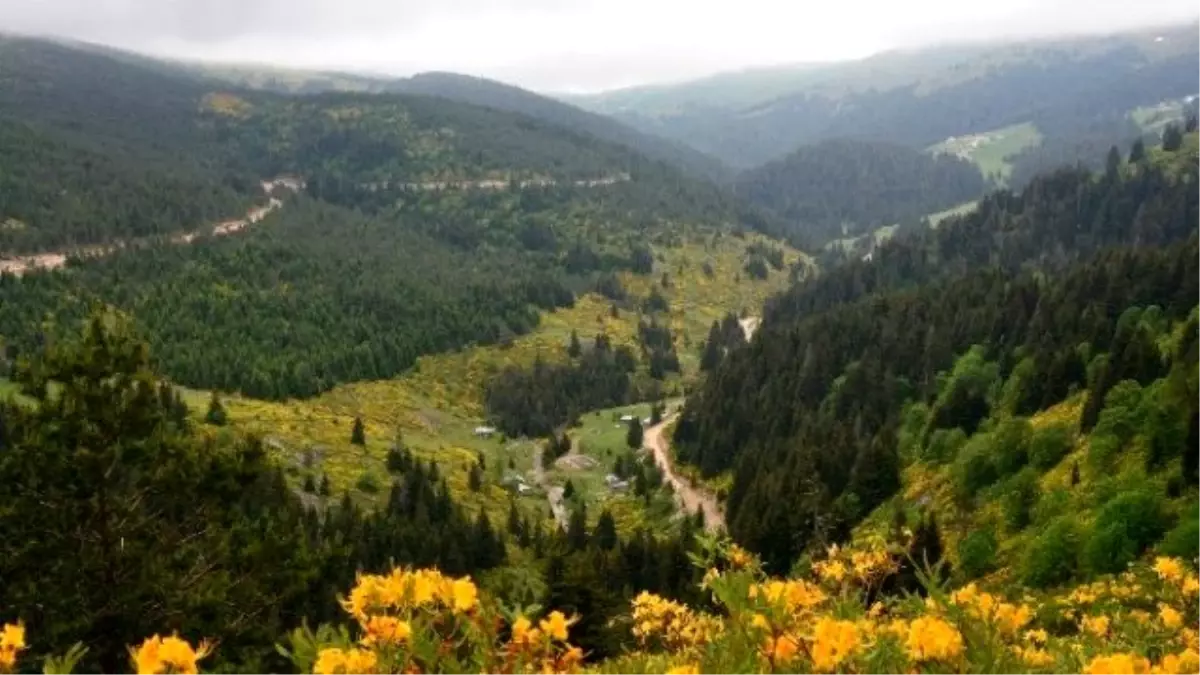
[(562, 46)]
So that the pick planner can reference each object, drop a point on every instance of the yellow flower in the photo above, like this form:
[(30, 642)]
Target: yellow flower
[(1123, 664), (334, 661), (760, 621), (1170, 617), (1034, 657), (386, 630), (831, 570), (1096, 625), (1191, 585), (833, 642), (170, 654), (465, 595), (1010, 618), (1168, 569), (555, 626), (522, 630), (931, 638), (12, 637), (1140, 615), (782, 649), (738, 557), (1186, 661), (1038, 636), (686, 669)]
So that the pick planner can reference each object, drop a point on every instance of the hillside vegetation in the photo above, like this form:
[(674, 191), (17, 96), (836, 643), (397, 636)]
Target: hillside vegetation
[(844, 188), (837, 357)]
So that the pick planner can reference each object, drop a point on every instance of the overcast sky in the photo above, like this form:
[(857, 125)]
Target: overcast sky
[(562, 45)]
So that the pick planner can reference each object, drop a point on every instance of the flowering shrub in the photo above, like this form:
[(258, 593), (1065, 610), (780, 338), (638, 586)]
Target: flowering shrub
[(407, 621)]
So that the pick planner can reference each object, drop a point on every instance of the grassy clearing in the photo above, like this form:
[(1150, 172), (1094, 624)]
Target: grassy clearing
[(991, 150), (935, 219), (436, 405)]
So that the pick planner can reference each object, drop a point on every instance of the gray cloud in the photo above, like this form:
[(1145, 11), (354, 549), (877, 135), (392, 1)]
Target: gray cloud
[(560, 44)]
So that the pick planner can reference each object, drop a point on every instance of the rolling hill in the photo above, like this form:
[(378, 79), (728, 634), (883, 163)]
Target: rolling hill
[(1068, 88), (843, 188)]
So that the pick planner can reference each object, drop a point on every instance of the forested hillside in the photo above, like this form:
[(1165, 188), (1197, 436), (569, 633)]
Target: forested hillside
[(1078, 92), (844, 188), (838, 356)]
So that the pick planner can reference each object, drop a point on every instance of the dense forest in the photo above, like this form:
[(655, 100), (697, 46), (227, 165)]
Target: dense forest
[(843, 188), (838, 356), (127, 517)]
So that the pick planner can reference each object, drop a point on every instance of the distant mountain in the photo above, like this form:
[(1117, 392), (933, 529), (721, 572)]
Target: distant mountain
[(476, 91), (1066, 88), (843, 188)]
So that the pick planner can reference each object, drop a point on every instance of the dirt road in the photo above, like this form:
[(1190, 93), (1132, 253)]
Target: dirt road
[(18, 265), (554, 494), (690, 497)]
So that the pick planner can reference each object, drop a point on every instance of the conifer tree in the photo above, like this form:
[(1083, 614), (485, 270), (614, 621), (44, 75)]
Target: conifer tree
[(605, 535), (216, 411), (358, 435), (633, 437), (574, 349)]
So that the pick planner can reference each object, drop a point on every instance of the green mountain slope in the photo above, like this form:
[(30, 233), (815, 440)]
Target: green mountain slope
[(1078, 89), (1026, 275), (844, 188)]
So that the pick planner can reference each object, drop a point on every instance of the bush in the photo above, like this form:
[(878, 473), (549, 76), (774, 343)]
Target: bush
[(1126, 526), (1020, 495), (367, 483), (1048, 445), (1051, 505), (1010, 445), (944, 444), (1053, 557), (974, 469), (977, 554), (1180, 542)]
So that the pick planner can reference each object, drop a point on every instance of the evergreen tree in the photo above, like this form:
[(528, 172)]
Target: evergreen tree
[(325, 488), (1172, 138), (1138, 151), (577, 534), (310, 485), (633, 437), (574, 349), (568, 490), (216, 411), (605, 535), (710, 357), (656, 414), (1112, 166), (358, 435)]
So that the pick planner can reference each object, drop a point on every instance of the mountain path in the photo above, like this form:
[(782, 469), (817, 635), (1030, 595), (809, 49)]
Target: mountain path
[(690, 497)]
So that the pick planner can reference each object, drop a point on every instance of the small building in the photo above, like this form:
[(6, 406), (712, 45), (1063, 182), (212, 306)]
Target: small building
[(646, 422), (627, 418), (485, 432), (524, 490), (615, 483)]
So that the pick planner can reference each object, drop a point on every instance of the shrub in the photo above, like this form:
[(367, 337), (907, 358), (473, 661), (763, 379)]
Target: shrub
[(367, 483), (1048, 445), (944, 444), (1051, 505), (977, 554), (1010, 445), (975, 469), (1020, 495), (1053, 557), (1180, 542), (1126, 526)]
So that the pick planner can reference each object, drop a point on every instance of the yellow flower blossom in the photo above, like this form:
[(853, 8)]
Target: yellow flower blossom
[(833, 642), (739, 558), (1141, 616), (555, 625), (1033, 656), (1096, 625), (782, 649), (464, 594), (1186, 661), (1123, 664), (830, 570), (386, 630), (931, 638), (686, 669), (12, 641), (337, 661), (1170, 617), (170, 654), (1168, 569), (759, 621), (1191, 585), (1037, 637)]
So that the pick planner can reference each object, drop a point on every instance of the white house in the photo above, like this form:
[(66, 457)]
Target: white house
[(627, 418), (484, 432)]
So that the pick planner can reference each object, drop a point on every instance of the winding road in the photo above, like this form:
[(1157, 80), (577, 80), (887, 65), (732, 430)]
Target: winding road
[(690, 497)]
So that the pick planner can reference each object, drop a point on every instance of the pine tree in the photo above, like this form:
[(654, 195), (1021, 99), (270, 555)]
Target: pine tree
[(358, 435), (216, 411), (577, 534), (310, 485), (605, 535), (633, 437), (568, 490), (325, 489), (1138, 152), (574, 349), (656, 414), (1172, 138)]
